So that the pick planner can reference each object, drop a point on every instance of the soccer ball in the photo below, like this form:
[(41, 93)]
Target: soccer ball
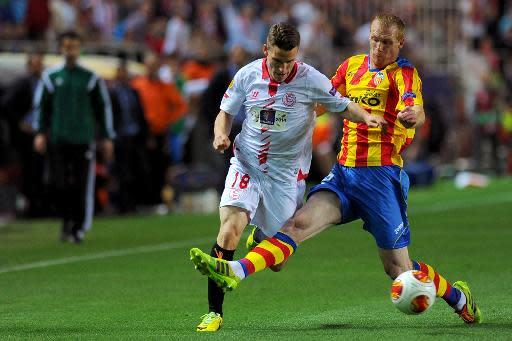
[(413, 292)]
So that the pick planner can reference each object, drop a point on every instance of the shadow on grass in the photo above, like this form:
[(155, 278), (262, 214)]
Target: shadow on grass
[(499, 326), (441, 329)]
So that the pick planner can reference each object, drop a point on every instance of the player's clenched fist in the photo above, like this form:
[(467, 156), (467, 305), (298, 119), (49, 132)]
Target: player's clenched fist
[(221, 143)]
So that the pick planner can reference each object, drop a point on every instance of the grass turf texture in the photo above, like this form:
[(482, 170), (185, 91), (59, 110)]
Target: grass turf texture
[(132, 278)]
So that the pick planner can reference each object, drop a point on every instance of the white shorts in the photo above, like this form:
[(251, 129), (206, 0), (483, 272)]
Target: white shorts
[(269, 203)]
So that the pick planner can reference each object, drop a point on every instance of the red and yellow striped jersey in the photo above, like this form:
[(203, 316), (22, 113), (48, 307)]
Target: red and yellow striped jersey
[(381, 92)]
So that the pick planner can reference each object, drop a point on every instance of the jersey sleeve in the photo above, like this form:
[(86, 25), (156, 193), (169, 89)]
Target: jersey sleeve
[(234, 97), (339, 78), (323, 92), (409, 87), (102, 106), (43, 104)]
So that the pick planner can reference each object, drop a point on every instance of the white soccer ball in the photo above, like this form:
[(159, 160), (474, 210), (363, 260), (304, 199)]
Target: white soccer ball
[(413, 292)]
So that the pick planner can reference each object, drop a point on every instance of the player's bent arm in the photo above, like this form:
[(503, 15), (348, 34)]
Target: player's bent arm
[(221, 130), (357, 114)]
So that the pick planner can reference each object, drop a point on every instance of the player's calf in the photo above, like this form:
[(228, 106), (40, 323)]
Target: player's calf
[(255, 238)]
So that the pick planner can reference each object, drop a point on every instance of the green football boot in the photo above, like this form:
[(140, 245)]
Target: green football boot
[(251, 243), (470, 313), (216, 269), (210, 322)]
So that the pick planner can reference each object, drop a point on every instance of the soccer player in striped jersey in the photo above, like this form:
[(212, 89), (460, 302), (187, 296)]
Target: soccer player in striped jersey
[(368, 181), (272, 154)]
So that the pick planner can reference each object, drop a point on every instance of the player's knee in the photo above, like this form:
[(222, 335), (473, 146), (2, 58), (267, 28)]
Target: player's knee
[(231, 233), (290, 229)]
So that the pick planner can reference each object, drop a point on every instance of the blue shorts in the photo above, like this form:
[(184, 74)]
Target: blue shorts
[(377, 195)]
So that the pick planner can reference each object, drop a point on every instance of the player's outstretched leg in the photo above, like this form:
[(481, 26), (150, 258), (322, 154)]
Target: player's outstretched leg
[(216, 269), (457, 296), (228, 275)]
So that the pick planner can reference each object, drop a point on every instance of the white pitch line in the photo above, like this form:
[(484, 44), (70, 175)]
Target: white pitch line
[(439, 207), (103, 255)]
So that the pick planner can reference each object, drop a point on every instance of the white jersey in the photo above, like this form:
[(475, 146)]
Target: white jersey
[(276, 134)]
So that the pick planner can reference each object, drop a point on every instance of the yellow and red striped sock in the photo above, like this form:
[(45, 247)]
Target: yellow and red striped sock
[(269, 252), (444, 288)]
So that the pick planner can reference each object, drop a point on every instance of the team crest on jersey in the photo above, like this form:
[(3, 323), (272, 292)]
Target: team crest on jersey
[(255, 94), (379, 76), (289, 99), (59, 81)]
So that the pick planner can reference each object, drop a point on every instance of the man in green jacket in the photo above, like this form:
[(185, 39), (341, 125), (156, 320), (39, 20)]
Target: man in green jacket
[(71, 103)]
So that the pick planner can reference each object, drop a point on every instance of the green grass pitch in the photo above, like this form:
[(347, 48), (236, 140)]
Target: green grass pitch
[(132, 279)]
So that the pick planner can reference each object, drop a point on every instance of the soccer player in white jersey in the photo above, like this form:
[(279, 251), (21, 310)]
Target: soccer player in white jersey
[(272, 154)]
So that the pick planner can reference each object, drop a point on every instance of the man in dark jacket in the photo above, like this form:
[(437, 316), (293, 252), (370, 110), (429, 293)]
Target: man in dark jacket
[(131, 166), (17, 103)]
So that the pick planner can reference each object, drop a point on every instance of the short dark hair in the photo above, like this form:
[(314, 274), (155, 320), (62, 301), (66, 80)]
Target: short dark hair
[(69, 35), (284, 36)]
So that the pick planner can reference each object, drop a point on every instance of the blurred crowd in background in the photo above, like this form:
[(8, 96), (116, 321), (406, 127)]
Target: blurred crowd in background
[(462, 49)]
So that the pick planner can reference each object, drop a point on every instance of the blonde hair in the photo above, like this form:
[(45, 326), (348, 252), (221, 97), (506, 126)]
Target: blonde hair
[(390, 20)]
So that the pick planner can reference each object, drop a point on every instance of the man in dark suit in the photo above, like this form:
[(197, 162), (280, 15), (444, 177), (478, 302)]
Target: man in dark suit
[(131, 166), (18, 106)]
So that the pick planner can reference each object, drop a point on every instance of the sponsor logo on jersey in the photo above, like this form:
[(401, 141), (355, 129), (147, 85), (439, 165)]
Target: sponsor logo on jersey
[(369, 101), (289, 99), (268, 116)]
